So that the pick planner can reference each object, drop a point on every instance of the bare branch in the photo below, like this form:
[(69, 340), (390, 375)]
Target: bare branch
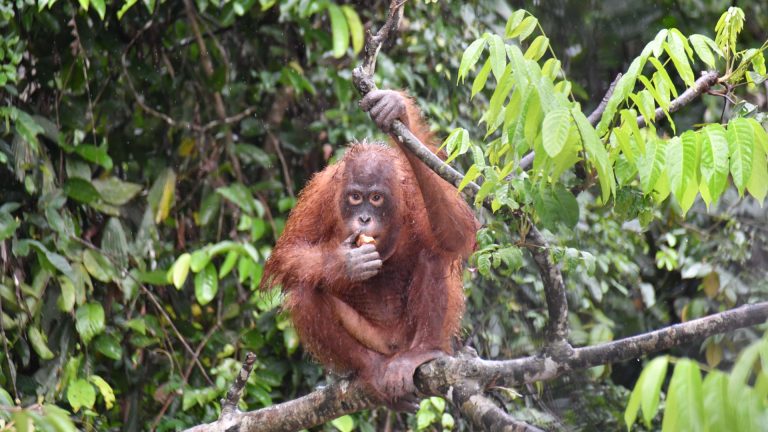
[(554, 289), (318, 407), (598, 112), (484, 413), (229, 404), (445, 372)]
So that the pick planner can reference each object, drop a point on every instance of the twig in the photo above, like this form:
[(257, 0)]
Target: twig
[(229, 404)]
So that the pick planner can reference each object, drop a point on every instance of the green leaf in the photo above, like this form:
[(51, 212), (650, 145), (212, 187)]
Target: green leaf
[(355, 27), (714, 160), (498, 55), (339, 30), (653, 377), (127, 5), (228, 264), (80, 393), (537, 49), (344, 423), (513, 21), (470, 57), (114, 242), (84, 4), (718, 406), (741, 142), (682, 165), (472, 173), (81, 190), (498, 97), (105, 389), (651, 164), (66, 302), (702, 49), (89, 321), (241, 196), (663, 75), (8, 225), (685, 405), (55, 260), (622, 90), (98, 266), (526, 27), (97, 155), (556, 205), (180, 270), (58, 419), (115, 191), (39, 343), (108, 345), (554, 131), (597, 154), (481, 78), (758, 180), (675, 48), (206, 284), (200, 258)]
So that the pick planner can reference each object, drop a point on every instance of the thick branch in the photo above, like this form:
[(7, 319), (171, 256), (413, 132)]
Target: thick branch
[(314, 409), (441, 375), (463, 377)]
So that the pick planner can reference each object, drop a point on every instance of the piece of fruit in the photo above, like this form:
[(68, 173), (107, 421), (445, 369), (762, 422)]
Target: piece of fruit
[(364, 239)]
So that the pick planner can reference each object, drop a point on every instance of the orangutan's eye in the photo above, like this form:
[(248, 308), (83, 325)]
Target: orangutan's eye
[(355, 198)]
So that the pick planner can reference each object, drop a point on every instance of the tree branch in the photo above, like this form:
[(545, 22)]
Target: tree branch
[(462, 379), (703, 84)]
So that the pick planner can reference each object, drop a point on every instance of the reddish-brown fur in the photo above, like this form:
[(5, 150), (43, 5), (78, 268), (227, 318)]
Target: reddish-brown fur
[(413, 306)]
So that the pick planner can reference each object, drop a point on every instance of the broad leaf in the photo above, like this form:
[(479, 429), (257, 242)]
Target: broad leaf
[(206, 284), (470, 57), (596, 153), (89, 321), (180, 270), (81, 394), (741, 143), (714, 160), (758, 180), (498, 55), (339, 30), (554, 131)]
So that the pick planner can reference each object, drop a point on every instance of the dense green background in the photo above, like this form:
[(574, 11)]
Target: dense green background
[(99, 197)]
